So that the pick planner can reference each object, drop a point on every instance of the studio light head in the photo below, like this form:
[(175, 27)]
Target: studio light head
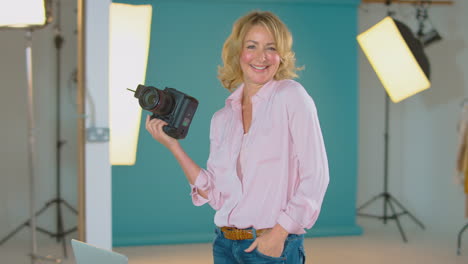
[(397, 57), (426, 33), (25, 13), (429, 37)]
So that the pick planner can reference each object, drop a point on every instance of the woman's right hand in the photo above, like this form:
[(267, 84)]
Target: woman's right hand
[(155, 128)]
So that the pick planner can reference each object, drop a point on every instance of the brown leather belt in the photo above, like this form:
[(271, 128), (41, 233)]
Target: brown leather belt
[(233, 233)]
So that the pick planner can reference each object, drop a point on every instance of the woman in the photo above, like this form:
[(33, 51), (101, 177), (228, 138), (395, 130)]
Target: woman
[(267, 172)]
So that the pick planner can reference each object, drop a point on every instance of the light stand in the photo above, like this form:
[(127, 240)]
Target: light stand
[(400, 63), (31, 151), (31, 143), (388, 199), (58, 201)]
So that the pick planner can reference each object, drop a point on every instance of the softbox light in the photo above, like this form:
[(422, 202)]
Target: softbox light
[(397, 57), (130, 31), (23, 13)]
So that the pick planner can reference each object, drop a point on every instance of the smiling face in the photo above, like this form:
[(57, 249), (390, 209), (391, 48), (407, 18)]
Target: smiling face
[(259, 59)]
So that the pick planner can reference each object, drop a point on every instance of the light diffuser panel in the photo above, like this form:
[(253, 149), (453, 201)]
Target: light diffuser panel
[(22, 13), (130, 27), (392, 60)]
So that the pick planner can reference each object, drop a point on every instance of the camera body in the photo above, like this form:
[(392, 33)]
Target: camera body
[(170, 105)]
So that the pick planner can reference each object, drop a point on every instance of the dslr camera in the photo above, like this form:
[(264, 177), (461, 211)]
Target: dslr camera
[(174, 107)]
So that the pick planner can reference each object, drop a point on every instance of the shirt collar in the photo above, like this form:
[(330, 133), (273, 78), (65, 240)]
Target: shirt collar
[(235, 99)]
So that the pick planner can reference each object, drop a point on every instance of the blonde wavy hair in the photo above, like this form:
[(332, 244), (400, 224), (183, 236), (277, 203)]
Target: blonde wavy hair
[(230, 74)]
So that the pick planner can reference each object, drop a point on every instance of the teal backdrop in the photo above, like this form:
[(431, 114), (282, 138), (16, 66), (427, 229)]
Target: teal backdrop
[(150, 200)]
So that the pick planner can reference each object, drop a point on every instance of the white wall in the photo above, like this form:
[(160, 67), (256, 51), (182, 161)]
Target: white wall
[(423, 128), (98, 169), (14, 184)]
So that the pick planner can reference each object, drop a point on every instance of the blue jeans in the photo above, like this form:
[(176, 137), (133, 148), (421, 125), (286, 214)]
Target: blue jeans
[(227, 251)]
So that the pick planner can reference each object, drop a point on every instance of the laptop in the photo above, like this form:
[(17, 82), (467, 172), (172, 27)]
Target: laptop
[(89, 254)]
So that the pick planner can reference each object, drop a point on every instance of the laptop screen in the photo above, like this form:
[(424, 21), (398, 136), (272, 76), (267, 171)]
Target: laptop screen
[(89, 254)]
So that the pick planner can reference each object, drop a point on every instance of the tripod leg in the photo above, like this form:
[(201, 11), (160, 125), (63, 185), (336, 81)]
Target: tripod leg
[(60, 228), (59, 223), (459, 239), (385, 209), (71, 230), (409, 214), (42, 230), (12, 233), (369, 202), (64, 245), (69, 206), (395, 216), (26, 223)]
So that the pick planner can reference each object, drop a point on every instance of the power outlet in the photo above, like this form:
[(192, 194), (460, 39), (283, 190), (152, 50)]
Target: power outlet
[(97, 134)]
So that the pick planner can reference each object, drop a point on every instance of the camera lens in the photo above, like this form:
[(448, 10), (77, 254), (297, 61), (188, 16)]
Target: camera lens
[(151, 98), (166, 103), (156, 101)]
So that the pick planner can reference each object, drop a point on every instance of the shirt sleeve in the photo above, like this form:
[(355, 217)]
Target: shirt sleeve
[(206, 178), (304, 207)]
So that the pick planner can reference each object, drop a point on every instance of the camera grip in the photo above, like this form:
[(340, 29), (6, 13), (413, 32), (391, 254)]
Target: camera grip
[(170, 131), (166, 129)]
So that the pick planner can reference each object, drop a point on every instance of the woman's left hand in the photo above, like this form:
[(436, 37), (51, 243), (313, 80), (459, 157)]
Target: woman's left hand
[(270, 243)]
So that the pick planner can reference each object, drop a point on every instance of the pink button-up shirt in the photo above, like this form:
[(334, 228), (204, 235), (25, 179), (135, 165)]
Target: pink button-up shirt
[(284, 164)]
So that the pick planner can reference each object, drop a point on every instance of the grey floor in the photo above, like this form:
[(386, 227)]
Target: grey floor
[(379, 244)]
